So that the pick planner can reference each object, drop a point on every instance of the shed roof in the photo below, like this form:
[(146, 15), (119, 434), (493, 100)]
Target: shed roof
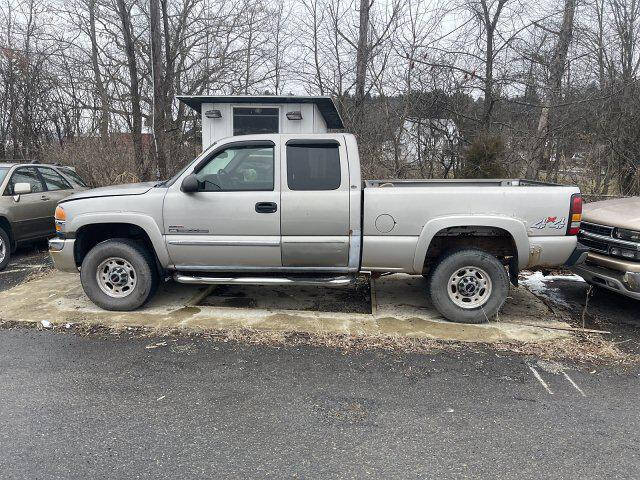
[(325, 104)]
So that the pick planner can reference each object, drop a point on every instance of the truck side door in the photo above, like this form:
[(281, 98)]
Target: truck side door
[(315, 203), (232, 223)]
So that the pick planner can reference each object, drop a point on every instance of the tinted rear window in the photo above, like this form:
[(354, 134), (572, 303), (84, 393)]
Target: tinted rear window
[(3, 173), (313, 167), (53, 180)]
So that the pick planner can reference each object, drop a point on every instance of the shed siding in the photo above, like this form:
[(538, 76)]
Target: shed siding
[(214, 129)]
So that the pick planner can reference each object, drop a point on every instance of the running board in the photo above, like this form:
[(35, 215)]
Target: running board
[(338, 281)]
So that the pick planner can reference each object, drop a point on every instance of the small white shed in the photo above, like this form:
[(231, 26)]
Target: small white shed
[(224, 116)]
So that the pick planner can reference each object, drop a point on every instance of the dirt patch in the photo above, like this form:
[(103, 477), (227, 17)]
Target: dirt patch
[(353, 299), (404, 321), (597, 309)]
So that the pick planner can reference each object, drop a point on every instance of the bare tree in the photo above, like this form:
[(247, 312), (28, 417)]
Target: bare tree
[(124, 12), (97, 73), (556, 71), (159, 88), (362, 50)]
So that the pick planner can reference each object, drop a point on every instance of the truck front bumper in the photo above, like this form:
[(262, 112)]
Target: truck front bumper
[(62, 253), (611, 274)]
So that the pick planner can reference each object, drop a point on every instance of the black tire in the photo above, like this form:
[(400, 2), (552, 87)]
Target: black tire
[(456, 261), (140, 259), (4, 237)]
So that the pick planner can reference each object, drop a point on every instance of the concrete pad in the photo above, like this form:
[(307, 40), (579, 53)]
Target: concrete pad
[(402, 309)]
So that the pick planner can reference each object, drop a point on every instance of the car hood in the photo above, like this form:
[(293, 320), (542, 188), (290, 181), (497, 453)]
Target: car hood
[(113, 191), (621, 212)]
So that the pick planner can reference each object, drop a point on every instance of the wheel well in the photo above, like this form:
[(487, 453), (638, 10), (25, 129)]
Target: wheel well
[(6, 226), (89, 236), (496, 241)]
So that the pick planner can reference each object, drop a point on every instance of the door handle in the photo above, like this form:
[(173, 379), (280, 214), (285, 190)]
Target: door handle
[(266, 207), (44, 197)]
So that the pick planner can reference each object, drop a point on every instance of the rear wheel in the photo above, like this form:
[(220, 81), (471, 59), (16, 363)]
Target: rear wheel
[(5, 249), (119, 274), (468, 286)]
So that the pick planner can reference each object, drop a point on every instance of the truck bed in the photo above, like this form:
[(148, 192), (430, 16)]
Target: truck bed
[(399, 214), (473, 182)]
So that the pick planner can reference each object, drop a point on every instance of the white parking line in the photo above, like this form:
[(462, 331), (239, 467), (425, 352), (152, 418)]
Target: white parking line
[(575, 385), (539, 378)]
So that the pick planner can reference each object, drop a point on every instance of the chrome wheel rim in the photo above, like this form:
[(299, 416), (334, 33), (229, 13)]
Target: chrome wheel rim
[(3, 250), (469, 287), (116, 277)]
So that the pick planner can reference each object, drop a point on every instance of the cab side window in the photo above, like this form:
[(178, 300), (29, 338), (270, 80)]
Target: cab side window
[(313, 167), (238, 169), (53, 180), (25, 175)]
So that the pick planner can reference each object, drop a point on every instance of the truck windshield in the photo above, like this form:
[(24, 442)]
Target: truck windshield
[(3, 173), (171, 181)]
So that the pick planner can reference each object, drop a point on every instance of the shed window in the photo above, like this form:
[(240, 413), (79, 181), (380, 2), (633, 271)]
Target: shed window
[(247, 121)]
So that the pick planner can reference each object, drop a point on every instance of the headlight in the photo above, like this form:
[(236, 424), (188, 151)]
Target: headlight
[(60, 218), (629, 235), (624, 253)]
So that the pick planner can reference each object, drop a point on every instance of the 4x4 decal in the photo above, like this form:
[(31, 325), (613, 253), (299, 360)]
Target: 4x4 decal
[(550, 222)]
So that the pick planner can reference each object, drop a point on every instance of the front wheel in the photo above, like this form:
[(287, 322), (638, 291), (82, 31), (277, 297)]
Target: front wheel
[(5, 249), (468, 286), (119, 274)]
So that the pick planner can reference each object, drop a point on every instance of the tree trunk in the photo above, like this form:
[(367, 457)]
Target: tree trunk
[(488, 81), (102, 92), (542, 149), (362, 54), (159, 90), (134, 90)]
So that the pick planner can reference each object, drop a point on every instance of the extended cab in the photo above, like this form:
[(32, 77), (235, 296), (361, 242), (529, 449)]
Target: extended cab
[(292, 208)]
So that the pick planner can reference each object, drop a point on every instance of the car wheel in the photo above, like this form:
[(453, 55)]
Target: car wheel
[(5, 249), (468, 286), (119, 274)]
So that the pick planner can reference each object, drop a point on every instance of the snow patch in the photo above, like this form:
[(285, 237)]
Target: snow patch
[(537, 283)]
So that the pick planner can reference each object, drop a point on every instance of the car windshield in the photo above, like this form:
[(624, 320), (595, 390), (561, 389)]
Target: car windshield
[(3, 173)]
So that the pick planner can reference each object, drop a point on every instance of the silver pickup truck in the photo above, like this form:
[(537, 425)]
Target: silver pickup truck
[(293, 209)]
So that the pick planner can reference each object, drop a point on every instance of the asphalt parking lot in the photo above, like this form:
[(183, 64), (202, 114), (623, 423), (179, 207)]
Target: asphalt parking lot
[(27, 262), (123, 406), (133, 402)]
